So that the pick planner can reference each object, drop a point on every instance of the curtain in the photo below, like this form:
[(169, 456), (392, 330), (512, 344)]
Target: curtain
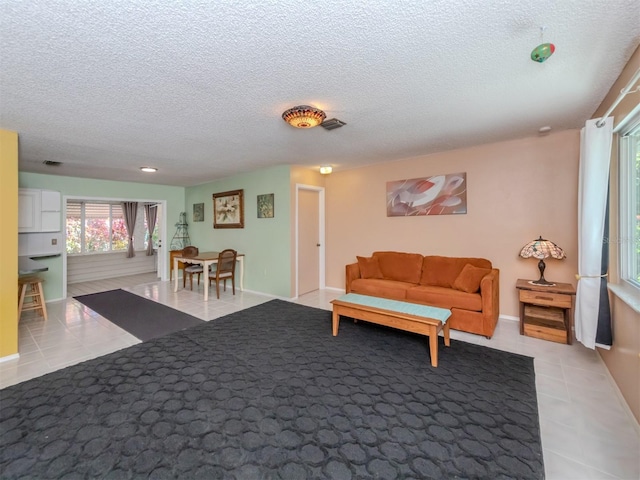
[(130, 212), (593, 314), (151, 212)]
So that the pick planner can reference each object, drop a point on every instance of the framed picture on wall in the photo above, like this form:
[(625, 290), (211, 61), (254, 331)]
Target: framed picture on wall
[(228, 209), (265, 205), (198, 212), (435, 195)]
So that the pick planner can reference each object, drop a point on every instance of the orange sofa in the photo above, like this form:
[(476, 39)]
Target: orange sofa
[(469, 287)]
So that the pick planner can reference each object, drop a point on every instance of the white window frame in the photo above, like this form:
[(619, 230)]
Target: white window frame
[(139, 241), (628, 175), (83, 249)]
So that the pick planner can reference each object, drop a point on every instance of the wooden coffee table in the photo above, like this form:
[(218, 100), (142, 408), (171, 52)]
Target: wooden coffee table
[(411, 317)]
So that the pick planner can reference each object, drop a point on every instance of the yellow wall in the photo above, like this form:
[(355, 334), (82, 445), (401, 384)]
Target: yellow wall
[(9, 243)]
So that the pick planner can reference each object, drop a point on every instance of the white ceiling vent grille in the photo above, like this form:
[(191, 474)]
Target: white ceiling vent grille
[(332, 124)]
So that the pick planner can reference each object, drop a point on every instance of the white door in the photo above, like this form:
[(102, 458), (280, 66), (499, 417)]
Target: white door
[(308, 241)]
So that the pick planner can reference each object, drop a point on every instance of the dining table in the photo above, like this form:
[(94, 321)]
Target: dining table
[(205, 259)]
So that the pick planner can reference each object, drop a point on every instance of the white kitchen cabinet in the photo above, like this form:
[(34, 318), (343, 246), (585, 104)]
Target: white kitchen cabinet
[(29, 202), (50, 214), (38, 210)]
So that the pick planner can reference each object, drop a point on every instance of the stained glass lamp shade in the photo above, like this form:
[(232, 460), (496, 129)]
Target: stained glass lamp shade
[(304, 116), (541, 249)]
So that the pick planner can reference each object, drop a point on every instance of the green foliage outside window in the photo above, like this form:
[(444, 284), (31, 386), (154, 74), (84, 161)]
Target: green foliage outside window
[(74, 232), (154, 237)]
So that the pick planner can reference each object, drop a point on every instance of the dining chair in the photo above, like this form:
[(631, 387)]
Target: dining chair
[(190, 268), (223, 270)]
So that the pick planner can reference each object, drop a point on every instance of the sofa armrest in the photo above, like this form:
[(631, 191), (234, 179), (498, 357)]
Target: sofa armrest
[(352, 272), (490, 293)]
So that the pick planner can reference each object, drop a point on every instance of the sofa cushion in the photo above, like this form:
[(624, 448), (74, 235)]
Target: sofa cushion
[(404, 267), (381, 288), (469, 278), (443, 271), (445, 297), (369, 267)]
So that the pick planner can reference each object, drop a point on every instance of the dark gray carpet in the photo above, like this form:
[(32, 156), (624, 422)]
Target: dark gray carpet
[(269, 393), (141, 317)]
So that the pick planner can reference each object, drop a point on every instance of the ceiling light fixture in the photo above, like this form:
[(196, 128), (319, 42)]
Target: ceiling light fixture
[(149, 169), (303, 116), (326, 169)]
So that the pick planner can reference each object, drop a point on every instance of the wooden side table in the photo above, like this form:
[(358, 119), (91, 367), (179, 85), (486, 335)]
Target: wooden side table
[(546, 311)]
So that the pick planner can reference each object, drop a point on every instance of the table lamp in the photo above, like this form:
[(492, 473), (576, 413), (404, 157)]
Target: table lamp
[(541, 249)]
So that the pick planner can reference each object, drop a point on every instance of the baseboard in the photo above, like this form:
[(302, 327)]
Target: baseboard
[(266, 294), (334, 289), (54, 300), (8, 358), (511, 318)]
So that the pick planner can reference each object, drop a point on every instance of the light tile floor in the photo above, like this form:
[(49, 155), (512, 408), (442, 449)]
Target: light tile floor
[(588, 433)]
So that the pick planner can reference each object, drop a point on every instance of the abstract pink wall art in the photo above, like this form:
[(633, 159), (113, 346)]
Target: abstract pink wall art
[(436, 195)]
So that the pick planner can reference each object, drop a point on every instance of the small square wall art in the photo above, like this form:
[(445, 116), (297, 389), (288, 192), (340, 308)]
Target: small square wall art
[(198, 212), (265, 205), (436, 195)]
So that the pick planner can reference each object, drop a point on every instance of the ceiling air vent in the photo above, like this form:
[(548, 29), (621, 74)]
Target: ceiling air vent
[(51, 163), (332, 124)]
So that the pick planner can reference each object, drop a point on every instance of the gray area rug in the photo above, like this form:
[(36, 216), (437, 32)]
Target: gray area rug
[(141, 317), (268, 392)]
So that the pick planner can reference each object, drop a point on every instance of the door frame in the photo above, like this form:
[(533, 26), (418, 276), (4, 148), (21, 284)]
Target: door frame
[(321, 234)]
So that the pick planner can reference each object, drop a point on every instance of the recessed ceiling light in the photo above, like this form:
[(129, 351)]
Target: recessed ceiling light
[(149, 169), (545, 129)]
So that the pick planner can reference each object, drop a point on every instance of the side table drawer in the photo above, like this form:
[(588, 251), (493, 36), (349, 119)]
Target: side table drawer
[(541, 298), (537, 330)]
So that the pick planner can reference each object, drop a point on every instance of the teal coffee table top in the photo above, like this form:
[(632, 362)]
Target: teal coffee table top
[(399, 306)]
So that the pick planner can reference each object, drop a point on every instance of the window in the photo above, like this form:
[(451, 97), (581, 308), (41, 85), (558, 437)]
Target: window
[(630, 201), (95, 227)]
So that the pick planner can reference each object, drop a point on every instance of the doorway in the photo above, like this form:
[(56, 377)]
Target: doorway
[(310, 249)]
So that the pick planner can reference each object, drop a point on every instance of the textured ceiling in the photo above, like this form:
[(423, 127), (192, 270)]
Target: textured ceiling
[(196, 88)]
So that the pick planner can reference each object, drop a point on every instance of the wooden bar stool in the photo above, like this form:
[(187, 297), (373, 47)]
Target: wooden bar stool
[(31, 295)]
